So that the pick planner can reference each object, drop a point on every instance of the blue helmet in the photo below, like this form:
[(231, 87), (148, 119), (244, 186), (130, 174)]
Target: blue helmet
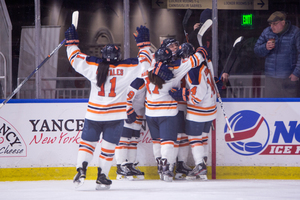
[(111, 53), (185, 50), (163, 54), (168, 41)]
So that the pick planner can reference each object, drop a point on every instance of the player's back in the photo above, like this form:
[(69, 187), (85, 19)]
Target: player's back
[(107, 102), (202, 102)]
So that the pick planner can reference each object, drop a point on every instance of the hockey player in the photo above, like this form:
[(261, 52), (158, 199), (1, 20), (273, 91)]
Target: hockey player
[(106, 111), (161, 109), (181, 148), (126, 151), (200, 95)]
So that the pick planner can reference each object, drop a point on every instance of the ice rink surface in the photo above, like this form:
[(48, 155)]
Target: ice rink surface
[(153, 190)]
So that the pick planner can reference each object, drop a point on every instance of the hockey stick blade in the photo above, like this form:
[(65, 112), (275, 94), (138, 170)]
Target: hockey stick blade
[(238, 40), (203, 29), (186, 17), (75, 17)]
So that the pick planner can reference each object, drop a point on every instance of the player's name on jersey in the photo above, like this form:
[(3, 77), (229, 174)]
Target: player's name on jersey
[(116, 72)]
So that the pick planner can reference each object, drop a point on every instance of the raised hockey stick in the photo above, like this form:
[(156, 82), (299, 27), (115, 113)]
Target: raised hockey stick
[(201, 32), (238, 40), (75, 16), (203, 29), (186, 17)]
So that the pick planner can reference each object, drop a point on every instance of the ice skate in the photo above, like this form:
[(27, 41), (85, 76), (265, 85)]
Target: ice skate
[(123, 172), (182, 170), (167, 173), (136, 172), (81, 175), (159, 167), (199, 169), (203, 177), (102, 183)]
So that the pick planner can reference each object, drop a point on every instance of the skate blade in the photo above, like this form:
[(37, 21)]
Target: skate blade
[(138, 177), (203, 177), (168, 179), (124, 178), (161, 176), (179, 176), (78, 183), (190, 178), (102, 187)]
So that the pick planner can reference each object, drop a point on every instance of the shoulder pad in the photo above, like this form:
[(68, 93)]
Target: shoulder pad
[(137, 83), (93, 59), (193, 75), (129, 61)]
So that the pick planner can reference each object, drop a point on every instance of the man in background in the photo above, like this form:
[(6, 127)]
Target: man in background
[(279, 44)]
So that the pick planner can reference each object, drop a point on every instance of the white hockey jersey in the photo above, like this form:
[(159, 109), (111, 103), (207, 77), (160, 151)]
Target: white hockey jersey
[(158, 102), (201, 106), (108, 102)]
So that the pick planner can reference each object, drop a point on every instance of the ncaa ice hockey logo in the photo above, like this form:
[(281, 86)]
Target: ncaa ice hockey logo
[(251, 133)]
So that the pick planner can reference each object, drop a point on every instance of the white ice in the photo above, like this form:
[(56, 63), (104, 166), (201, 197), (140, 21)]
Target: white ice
[(153, 190)]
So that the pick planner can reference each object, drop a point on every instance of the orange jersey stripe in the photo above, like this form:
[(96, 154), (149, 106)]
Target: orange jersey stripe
[(109, 105), (106, 112), (201, 114), (161, 108)]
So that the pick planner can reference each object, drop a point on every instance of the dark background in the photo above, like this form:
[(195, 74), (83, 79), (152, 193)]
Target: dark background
[(22, 13)]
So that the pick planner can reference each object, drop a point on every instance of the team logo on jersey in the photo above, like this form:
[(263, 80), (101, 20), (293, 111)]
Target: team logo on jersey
[(251, 133)]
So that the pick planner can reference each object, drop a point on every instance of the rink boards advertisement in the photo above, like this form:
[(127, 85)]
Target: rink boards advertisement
[(46, 133), (266, 133)]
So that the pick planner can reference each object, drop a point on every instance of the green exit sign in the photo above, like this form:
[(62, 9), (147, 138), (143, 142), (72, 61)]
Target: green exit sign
[(247, 20)]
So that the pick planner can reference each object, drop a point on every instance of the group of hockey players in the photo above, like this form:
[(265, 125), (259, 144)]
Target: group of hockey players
[(172, 89)]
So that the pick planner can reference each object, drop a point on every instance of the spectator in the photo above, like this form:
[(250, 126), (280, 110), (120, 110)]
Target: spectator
[(279, 44)]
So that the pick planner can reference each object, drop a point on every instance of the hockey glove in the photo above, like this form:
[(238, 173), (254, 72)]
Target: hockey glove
[(142, 37), (71, 36), (204, 52), (179, 94), (163, 71), (131, 116)]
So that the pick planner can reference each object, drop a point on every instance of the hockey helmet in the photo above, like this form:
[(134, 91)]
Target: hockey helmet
[(163, 54), (185, 50), (168, 41), (111, 53)]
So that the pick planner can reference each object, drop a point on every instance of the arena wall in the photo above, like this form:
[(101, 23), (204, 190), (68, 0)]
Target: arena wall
[(39, 141)]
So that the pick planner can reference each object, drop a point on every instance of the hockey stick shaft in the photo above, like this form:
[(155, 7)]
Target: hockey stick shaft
[(75, 16), (201, 32), (32, 73), (186, 17)]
